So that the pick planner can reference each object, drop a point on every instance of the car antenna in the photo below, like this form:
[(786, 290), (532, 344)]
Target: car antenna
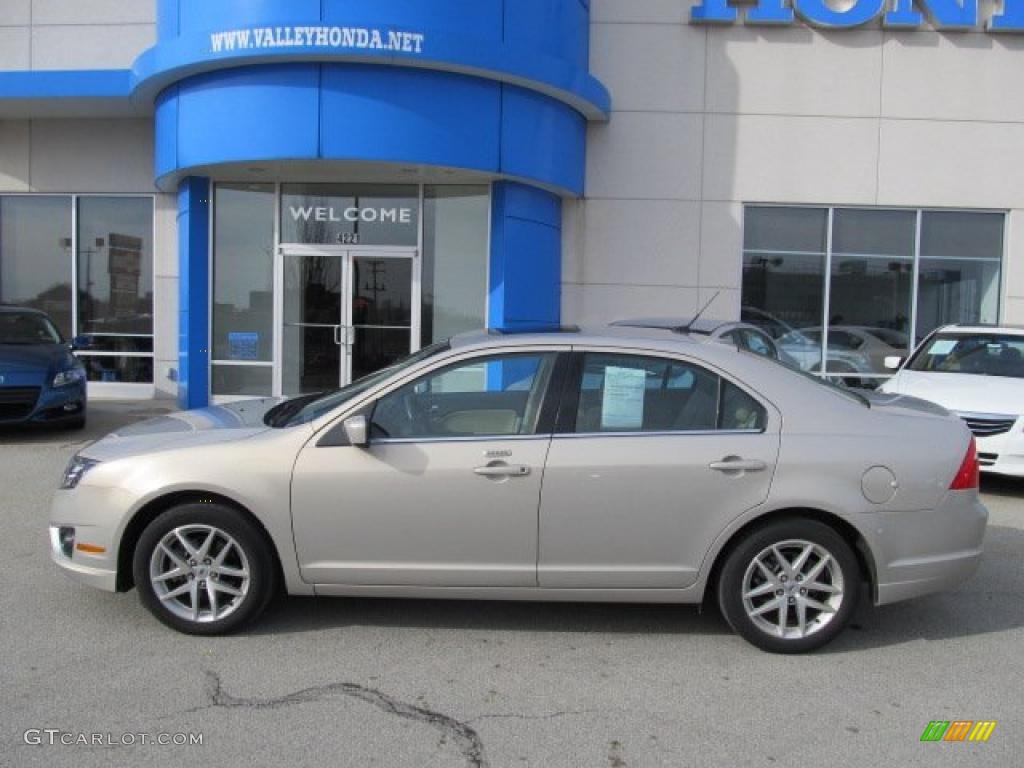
[(686, 328)]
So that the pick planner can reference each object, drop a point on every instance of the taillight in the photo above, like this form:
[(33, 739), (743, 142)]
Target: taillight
[(967, 476)]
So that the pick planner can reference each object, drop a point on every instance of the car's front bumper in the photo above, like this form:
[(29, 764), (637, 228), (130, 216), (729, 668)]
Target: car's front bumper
[(96, 514), (92, 570), (1003, 454), (917, 553), (60, 404), (53, 405)]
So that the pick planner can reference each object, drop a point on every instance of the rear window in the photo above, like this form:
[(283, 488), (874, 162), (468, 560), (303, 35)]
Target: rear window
[(817, 379)]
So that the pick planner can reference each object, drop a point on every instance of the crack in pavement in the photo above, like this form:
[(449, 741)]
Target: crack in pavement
[(518, 716), (464, 737)]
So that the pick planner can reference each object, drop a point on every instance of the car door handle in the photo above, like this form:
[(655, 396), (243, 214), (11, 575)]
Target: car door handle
[(503, 470), (738, 465)]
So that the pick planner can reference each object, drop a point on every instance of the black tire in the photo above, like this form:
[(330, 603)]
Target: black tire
[(262, 571), (829, 624)]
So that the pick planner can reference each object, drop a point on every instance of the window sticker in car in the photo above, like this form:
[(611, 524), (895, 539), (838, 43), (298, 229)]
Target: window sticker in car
[(622, 405), (942, 347)]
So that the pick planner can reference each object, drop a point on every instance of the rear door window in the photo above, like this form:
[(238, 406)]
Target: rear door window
[(632, 393)]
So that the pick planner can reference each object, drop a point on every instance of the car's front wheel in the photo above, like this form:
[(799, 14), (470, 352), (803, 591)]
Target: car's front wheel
[(790, 586), (203, 569)]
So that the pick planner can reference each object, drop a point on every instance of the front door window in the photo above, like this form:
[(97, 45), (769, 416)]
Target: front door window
[(485, 397)]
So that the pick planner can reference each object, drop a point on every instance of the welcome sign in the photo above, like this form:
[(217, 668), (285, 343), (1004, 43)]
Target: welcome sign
[(350, 215), (949, 15)]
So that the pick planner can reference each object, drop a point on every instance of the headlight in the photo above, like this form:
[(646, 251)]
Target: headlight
[(75, 471), (69, 376)]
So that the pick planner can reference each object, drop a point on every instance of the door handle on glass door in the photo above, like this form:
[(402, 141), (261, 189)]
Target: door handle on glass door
[(736, 464), (503, 470), (337, 335)]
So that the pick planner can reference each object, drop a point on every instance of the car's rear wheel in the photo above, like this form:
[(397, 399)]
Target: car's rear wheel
[(203, 569), (790, 586)]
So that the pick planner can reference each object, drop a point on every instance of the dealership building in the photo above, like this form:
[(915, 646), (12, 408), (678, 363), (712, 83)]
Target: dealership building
[(268, 197)]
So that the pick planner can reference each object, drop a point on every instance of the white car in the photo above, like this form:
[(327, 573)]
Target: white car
[(977, 372)]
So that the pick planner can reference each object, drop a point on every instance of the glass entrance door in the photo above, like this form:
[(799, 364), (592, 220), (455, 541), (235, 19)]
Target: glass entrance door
[(346, 314), (379, 312)]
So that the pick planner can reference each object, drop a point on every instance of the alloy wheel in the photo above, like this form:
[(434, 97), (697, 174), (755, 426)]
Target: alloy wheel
[(199, 573), (793, 589)]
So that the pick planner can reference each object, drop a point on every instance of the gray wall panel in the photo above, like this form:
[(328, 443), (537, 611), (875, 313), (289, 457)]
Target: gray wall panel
[(89, 46)]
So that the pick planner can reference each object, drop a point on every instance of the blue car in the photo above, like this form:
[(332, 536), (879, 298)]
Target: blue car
[(41, 382)]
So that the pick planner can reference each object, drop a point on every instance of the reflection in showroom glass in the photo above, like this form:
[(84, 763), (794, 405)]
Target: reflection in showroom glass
[(873, 256)]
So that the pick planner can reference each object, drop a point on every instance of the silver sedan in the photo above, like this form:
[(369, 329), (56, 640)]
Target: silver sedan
[(625, 464)]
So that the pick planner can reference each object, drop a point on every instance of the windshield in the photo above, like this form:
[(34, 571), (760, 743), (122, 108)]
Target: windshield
[(27, 328), (306, 408), (980, 354)]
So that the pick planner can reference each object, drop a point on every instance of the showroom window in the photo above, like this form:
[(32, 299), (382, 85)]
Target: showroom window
[(35, 256), (841, 289), (87, 261), (456, 226), (243, 290)]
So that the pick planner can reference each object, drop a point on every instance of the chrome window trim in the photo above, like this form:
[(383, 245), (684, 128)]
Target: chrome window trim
[(460, 439), (666, 433)]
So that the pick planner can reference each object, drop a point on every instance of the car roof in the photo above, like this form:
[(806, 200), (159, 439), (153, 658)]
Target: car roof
[(680, 325), (29, 310), (1011, 330), (594, 336)]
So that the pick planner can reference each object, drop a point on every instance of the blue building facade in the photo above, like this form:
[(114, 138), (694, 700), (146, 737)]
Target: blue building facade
[(498, 87), (348, 101)]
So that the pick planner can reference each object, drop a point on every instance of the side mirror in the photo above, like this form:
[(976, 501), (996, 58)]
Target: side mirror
[(357, 430), (80, 342), (892, 363)]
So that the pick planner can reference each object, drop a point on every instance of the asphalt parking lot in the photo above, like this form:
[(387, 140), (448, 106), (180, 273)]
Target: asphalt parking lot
[(420, 684)]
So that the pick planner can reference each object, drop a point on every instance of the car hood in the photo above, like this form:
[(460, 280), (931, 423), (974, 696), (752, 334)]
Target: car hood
[(34, 357), (204, 426), (962, 392)]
